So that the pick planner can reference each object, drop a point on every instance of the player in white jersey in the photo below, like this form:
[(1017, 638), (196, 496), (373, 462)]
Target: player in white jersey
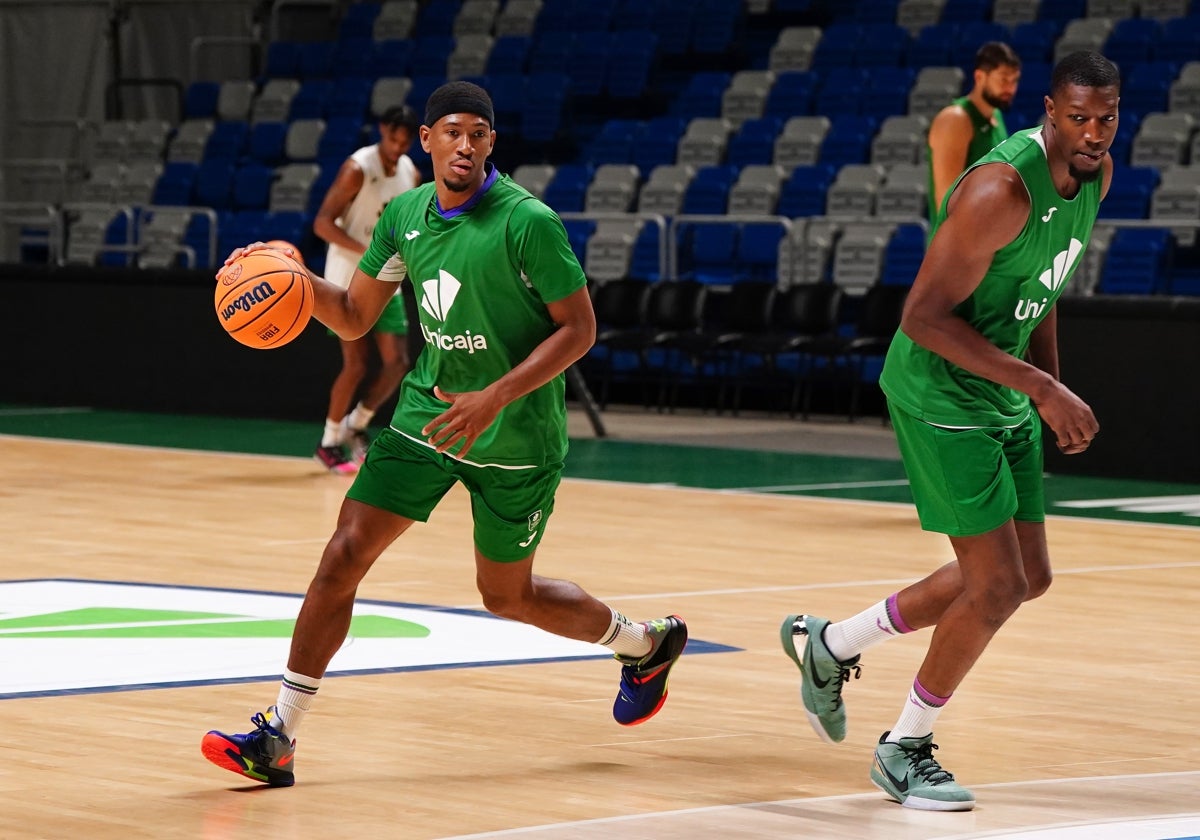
[(366, 182)]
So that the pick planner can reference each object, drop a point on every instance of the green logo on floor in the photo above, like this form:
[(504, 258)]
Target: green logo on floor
[(70, 636)]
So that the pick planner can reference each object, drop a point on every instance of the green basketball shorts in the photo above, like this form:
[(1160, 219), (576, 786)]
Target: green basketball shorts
[(970, 481), (509, 507)]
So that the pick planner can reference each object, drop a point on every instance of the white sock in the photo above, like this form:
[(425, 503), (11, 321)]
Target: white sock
[(878, 623), (333, 433), (625, 638), (920, 713), (296, 693), (360, 418)]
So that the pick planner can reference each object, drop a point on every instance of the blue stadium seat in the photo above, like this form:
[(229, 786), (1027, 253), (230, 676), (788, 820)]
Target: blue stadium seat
[(352, 57), (882, 45), (1132, 40), (971, 35), (644, 262), (714, 26), (175, 184), (791, 95), (965, 11), (707, 253), (342, 136), (1180, 40), (358, 20), (838, 46), (252, 186), (848, 140), (877, 11), (266, 142), (701, 96), (1129, 195), (614, 142), (841, 91), (933, 45), (391, 57), (658, 142), (283, 60), (673, 21), (214, 185), (632, 57), (758, 252), (288, 225), (568, 188), (430, 55), (887, 92), (587, 66), (314, 59), (311, 100), (1062, 10), (351, 98), (545, 98), (633, 15), (436, 19), (508, 100), (1146, 87), (903, 255), (803, 192), (1034, 41), (754, 142), (509, 54), (227, 141), (1136, 261), (200, 100), (708, 192)]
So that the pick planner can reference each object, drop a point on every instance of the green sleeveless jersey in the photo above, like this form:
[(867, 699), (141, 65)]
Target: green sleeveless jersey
[(1025, 279), (984, 138), (482, 279)]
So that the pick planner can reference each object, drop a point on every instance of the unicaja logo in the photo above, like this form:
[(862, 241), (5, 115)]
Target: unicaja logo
[(437, 296), (1052, 278)]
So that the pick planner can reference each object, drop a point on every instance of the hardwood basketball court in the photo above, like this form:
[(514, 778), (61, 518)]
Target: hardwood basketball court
[(1081, 711)]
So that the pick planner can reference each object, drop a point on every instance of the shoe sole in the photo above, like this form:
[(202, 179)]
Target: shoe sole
[(678, 644), (920, 803), (226, 755), (342, 469), (788, 637)]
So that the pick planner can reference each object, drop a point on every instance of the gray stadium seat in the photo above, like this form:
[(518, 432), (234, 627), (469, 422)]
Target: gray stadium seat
[(609, 249), (518, 17), (756, 189), (1177, 196), (475, 17), (853, 190), (1082, 34), (274, 100), (903, 194), (612, 189), (292, 185), (235, 99), (914, 15), (933, 89), (746, 95), (470, 55), (395, 20), (534, 177), (703, 142), (189, 141), (902, 138), (799, 143), (858, 255), (1012, 12), (389, 91), (1162, 139), (664, 190), (793, 48), (303, 138)]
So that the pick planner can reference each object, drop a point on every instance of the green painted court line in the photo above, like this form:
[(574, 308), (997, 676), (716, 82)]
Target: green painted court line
[(782, 473)]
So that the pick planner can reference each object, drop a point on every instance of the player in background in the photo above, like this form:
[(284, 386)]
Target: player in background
[(365, 183), (970, 377), (504, 311), (972, 125)]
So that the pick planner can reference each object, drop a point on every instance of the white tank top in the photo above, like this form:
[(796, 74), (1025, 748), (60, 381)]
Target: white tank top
[(360, 217)]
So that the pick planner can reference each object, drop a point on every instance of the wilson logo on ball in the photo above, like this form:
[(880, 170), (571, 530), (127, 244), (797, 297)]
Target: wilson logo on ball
[(263, 291)]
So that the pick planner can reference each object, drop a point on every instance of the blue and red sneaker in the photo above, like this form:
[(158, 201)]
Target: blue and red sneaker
[(644, 681), (264, 755)]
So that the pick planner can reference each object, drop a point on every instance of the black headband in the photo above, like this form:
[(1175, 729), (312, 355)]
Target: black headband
[(458, 98)]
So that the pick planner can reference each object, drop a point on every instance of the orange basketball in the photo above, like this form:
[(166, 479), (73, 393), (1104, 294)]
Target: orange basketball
[(283, 243), (264, 299)]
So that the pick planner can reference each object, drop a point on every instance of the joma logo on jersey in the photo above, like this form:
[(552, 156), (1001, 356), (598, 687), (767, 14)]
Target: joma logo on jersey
[(1052, 278)]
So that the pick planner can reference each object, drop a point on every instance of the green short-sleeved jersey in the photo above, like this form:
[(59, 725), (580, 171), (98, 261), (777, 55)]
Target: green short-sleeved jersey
[(985, 136), (483, 275), (1025, 279)]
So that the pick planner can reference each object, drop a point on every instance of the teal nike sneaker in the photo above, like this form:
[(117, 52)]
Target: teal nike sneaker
[(821, 675), (908, 772)]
